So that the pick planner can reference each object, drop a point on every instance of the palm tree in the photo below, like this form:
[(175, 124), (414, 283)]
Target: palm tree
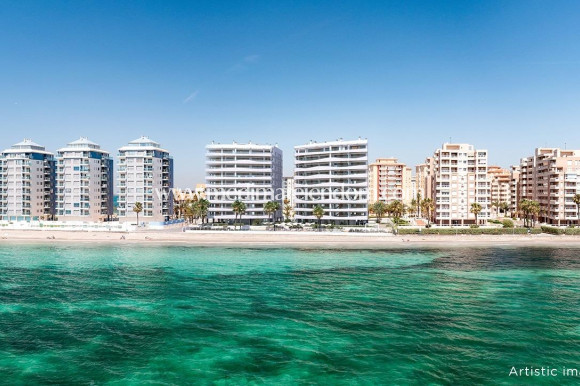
[(138, 208), (379, 208), (203, 207), (530, 209), (318, 212), (287, 209), (525, 209), (397, 210), (427, 206), (475, 209), (534, 210), (576, 200), (239, 209), (270, 208), (504, 207), (418, 204), (496, 205), (412, 206)]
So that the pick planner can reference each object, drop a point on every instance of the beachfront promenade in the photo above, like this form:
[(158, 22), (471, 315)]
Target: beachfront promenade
[(280, 238)]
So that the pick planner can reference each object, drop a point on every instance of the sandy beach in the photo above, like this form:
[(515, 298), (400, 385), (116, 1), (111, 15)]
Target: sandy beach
[(250, 239)]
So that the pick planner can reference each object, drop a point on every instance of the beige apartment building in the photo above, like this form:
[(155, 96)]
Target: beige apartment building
[(514, 189), (460, 178), (550, 177), (500, 187), (390, 180), (423, 174)]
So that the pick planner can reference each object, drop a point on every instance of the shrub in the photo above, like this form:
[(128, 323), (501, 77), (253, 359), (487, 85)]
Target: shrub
[(507, 223), (468, 231), (560, 231), (474, 226)]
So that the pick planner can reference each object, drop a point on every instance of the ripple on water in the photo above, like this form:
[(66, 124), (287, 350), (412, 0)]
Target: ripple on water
[(284, 316)]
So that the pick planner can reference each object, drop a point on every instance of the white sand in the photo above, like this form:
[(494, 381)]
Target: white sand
[(282, 238)]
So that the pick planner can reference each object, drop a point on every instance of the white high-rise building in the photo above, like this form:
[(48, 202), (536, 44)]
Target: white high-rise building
[(333, 175), (84, 182), (27, 178), (145, 175), (460, 178), (249, 172), (288, 190)]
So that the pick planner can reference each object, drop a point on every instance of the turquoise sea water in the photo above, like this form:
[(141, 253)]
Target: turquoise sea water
[(184, 315)]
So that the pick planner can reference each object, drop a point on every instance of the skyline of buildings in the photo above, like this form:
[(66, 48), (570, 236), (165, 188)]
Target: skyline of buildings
[(77, 183)]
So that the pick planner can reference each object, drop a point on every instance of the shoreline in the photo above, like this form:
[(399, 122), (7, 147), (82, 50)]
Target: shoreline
[(265, 239)]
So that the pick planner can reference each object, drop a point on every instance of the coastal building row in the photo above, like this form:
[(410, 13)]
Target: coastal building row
[(77, 183), (332, 175)]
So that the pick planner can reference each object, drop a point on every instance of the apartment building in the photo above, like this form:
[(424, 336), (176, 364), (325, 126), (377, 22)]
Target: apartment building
[(514, 189), (27, 179), (390, 180), (551, 177), (333, 175), (500, 187), (423, 173), (249, 172), (145, 175), (288, 190), (84, 182), (459, 179)]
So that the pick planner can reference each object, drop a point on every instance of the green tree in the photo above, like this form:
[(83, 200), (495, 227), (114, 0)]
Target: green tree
[(138, 208), (396, 209), (530, 209), (287, 209), (496, 205), (427, 206), (318, 212), (239, 209), (202, 209), (504, 207), (379, 208), (576, 200), (270, 208), (418, 204), (476, 209)]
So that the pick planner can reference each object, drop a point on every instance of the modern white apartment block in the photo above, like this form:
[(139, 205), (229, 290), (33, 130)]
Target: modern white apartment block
[(27, 178), (249, 172), (552, 177), (84, 182), (459, 179), (288, 190), (145, 175), (390, 180), (500, 188), (333, 175)]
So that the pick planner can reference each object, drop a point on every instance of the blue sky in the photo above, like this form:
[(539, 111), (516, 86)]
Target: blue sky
[(407, 75)]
